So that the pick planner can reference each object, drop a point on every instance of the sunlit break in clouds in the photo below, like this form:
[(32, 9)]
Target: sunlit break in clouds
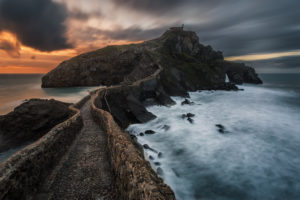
[(36, 35)]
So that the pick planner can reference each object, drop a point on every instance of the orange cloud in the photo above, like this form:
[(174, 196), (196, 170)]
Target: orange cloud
[(43, 62), (9, 44)]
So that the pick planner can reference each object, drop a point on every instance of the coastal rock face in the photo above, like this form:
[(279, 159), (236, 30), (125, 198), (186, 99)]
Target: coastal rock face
[(30, 121), (239, 73), (107, 66), (187, 65)]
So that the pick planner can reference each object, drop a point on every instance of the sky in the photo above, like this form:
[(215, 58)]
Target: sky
[(36, 35)]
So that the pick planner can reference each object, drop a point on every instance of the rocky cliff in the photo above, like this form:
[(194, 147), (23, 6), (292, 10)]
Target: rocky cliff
[(30, 121), (187, 65)]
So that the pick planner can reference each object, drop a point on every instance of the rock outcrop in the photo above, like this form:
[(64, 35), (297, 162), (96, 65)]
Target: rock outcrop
[(30, 121), (239, 73), (170, 65), (187, 65)]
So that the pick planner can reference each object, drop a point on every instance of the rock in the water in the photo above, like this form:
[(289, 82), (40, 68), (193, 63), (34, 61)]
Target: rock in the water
[(133, 137), (146, 146), (166, 127), (190, 120), (149, 132), (157, 163), (187, 102), (30, 121), (160, 155), (239, 73), (160, 171), (151, 158), (221, 128), (141, 134), (190, 115)]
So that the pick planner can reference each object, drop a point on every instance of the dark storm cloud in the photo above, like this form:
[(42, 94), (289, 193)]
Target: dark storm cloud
[(36, 23), (165, 6), (80, 15), (150, 5), (235, 27), (133, 33)]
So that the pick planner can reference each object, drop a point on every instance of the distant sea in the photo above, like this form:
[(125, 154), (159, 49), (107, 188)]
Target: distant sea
[(256, 158), (15, 88)]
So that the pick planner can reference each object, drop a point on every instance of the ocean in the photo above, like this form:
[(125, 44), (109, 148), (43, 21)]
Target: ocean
[(257, 156), (15, 88)]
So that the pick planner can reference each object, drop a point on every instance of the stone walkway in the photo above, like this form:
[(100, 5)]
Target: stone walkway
[(84, 173)]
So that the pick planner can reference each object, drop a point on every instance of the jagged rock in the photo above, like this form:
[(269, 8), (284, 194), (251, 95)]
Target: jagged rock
[(190, 120), (160, 171), (160, 155), (166, 127), (190, 115), (239, 73), (151, 158), (146, 146), (182, 64), (149, 132), (30, 121), (187, 66), (187, 102), (221, 128)]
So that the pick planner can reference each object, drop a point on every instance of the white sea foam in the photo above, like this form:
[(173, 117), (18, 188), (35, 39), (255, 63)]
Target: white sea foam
[(258, 158)]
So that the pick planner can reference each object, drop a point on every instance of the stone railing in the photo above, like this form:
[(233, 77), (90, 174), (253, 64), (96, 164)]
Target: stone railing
[(134, 175), (23, 172)]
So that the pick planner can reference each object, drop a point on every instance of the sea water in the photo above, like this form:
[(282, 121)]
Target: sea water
[(15, 88), (257, 156)]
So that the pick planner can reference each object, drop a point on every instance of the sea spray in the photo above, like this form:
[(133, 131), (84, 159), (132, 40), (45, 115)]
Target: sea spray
[(256, 158)]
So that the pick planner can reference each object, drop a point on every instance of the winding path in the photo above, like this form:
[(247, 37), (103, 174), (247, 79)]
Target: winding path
[(84, 173)]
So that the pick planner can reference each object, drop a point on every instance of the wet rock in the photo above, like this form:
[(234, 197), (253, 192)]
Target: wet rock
[(141, 134), (133, 137), (160, 155), (157, 163), (149, 132), (190, 115), (146, 146), (30, 121), (151, 158), (166, 127), (221, 128), (190, 120), (187, 102), (160, 171), (239, 73)]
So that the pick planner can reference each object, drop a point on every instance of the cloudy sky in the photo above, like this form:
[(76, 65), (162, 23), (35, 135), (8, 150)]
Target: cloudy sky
[(36, 35)]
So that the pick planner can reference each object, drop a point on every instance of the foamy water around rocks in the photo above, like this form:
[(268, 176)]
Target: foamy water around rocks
[(256, 156)]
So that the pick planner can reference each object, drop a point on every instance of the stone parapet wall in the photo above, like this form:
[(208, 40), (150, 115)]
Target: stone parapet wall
[(134, 175), (22, 173)]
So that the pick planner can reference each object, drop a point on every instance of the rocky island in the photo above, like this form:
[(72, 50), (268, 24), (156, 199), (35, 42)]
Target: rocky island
[(101, 160), (183, 64)]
